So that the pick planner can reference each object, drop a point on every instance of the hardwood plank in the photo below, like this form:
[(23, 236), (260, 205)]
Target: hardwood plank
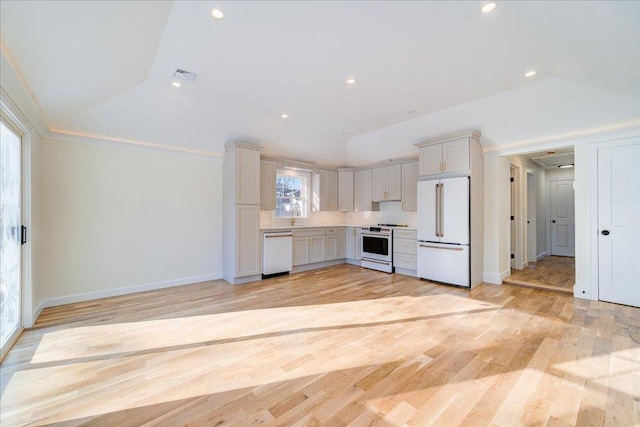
[(337, 346)]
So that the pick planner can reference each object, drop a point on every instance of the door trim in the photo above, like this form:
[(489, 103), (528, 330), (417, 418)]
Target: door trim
[(518, 259), (12, 115), (594, 283)]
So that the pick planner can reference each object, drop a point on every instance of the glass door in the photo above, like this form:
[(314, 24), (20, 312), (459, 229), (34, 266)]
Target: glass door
[(10, 236)]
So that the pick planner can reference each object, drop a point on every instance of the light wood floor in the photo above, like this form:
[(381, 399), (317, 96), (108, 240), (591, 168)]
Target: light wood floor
[(337, 346), (557, 273)]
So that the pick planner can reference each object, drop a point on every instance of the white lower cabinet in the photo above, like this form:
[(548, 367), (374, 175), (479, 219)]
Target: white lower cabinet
[(248, 240), (404, 251), (317, 250), (352, 246), (342, 243), (331, 244), (300, 251), (309, 246)]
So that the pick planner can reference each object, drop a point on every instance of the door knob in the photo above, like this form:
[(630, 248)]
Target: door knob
[(553, 221), (605, 232)]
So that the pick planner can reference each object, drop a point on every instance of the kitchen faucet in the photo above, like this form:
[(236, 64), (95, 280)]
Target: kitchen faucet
[(295, 210)]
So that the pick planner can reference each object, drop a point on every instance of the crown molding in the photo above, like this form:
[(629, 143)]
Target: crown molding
[(86, 138)]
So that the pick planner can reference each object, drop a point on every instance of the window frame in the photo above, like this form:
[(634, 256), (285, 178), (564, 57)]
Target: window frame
[(306, 192)]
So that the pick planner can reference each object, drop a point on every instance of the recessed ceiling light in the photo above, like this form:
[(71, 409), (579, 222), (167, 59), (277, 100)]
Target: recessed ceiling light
[(530, 73), (351, 80), (566, 166), (217, 13), (176, 84), (489, 6), (284, 116)]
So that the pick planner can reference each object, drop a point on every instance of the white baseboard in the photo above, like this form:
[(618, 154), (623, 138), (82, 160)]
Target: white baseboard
[(70, 299), (495, 278), (307, 267), (406, 272), (242, 280), (542, 255)]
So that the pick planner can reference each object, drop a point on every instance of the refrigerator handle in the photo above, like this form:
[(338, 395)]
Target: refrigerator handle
[(441, 210), (437, 209)]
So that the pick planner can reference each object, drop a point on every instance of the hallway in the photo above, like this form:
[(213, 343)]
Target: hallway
[(555, 273)]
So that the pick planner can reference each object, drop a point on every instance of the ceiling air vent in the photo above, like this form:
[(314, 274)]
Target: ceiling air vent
[(185, 76)]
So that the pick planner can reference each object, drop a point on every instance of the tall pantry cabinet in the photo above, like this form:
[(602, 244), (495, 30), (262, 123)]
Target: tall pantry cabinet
[(241, 213)]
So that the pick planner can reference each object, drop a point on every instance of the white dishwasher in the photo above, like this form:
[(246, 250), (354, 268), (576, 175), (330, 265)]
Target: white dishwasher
[(277, 253)]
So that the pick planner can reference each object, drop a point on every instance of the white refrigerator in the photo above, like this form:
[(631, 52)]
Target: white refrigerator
[(443, 231)]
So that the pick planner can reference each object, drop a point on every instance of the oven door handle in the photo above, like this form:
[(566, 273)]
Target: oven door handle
[(379, 236), (376, 261)]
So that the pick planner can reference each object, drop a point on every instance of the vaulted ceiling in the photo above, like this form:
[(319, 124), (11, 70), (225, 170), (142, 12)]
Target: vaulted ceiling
[(422, 69)]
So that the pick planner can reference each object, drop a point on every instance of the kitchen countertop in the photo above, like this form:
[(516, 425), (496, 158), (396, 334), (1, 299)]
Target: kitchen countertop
[(302, 227)]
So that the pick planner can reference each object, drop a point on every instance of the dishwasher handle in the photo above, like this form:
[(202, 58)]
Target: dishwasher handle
[(274, 236)]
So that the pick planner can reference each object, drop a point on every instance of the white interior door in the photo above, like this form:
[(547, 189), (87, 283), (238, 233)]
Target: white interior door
[(562, 218), (10, 236), (619, 224)]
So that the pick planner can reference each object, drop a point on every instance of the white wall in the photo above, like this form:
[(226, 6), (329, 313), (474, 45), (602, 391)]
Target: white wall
[(497, 202), (116, 219)]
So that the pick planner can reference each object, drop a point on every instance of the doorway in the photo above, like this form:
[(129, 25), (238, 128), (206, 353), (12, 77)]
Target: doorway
[(11, 236), (543, 241)]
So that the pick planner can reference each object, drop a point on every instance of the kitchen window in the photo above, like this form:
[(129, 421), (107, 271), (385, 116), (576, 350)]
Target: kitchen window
[(292, 194)]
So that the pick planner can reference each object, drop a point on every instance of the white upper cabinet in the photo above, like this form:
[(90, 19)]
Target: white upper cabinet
[(386, 183), (267, 185), (327, 189), (362, 190), (394, 182), (445, 157), (431, 159), (410, 186), (247, 176), (345, 191), (455, 155)]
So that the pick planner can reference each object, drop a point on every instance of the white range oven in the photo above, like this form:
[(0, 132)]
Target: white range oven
[(377, 248)]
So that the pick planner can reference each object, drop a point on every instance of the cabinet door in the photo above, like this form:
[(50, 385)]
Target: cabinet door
[(358, 250), (267, 185), (455, 155), (362, 190), (351, 242), (342, 243), (333, 190), (431, 160), (247, 177), (248, 240), (328, 190), (300, 251), (394, 182), (378, 184), (345, 191), (331, 250), (317, 249), (410, 186)]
